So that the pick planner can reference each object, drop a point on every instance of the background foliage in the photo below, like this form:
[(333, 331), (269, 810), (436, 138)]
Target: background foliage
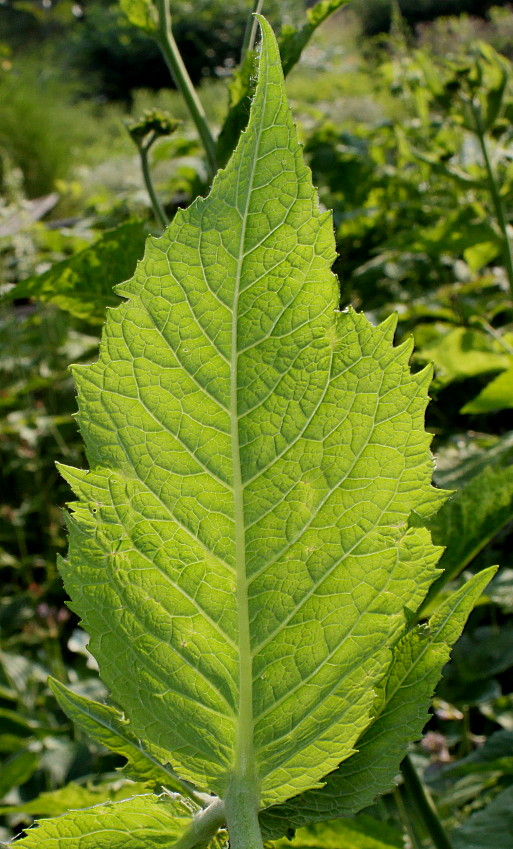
[(422, 190)]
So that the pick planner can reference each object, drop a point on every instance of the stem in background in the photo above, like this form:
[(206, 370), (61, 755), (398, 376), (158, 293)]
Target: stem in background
[(405, 818), (425, 805), (158, 209), (183, 82), (251, 30), (495, 194)]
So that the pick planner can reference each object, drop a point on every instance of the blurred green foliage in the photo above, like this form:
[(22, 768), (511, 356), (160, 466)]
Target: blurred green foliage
[(376, 15)]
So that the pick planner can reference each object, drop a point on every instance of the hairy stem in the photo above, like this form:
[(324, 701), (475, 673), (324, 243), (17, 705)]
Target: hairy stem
[(158, 209), (204, 826), (495, 195), (183, 82), (242, 815), (424, 805)]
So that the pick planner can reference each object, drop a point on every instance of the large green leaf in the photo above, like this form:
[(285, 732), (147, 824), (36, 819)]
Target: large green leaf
[(241, 554), (400, 713)]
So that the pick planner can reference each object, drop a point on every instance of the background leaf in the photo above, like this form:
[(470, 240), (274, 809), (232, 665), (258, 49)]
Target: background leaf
[(489, 828), (497, 395), (361, 832), (83, 284), (469, 520)]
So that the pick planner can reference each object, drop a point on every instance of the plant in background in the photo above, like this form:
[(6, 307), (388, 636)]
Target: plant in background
[(248, 552), (144, 133)]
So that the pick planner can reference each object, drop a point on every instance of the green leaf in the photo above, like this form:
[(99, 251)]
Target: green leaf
[(489, 828), (141, 822), (497, 395), (496, 754), (241, 555), (83, 284), (462, 352), (484, 652), (400, 713), (470, 520), (105, 725), (361, 832), (74, 796), (141, 13), (17, 770), (292, 41)]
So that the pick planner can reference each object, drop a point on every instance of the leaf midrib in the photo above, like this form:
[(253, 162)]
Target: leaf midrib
[(244, 763)]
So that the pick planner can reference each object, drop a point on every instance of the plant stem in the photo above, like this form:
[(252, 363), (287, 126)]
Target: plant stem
[(158, 209), (204, 826), (405, 818), (242, 815), (425, 805), (251, 29), (184, 84), (495, 195)]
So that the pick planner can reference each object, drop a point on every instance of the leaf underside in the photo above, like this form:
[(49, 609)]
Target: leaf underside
[(400, 713), (240, 553), (140, 822)]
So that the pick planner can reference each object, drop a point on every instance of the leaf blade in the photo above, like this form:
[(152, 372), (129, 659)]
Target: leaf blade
[(255, 459), (105, 725), (401, 713), (142, 822)]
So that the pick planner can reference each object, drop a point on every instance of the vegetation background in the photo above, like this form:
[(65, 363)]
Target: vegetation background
[(405, 110)]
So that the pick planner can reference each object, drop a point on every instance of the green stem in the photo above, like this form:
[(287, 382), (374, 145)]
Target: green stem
[(425, 805), (242, 815), (158, 209), (204, 826), (183, 82), (495, 195), (405, 818), (251, 29)]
